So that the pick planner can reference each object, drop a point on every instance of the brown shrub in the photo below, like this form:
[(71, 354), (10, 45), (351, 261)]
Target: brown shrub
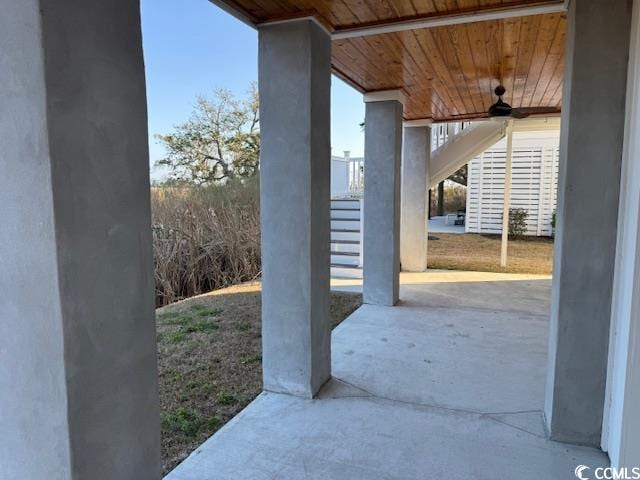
[(204, 238)]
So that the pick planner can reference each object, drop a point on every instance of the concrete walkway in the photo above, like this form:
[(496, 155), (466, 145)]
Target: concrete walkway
[(449, 384), (438, 225)]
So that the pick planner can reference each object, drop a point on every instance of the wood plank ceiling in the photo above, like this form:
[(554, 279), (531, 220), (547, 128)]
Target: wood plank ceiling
[(447, 72)]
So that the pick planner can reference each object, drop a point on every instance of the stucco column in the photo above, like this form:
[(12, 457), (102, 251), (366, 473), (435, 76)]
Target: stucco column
[(382, 151), (78, 374), (416, 150), (295, 165), (589, 184)]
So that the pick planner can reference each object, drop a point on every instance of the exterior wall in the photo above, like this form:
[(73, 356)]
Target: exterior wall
[(621, 427), (534, 183)]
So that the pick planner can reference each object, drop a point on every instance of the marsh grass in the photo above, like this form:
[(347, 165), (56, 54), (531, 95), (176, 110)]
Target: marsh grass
[(204, 238)]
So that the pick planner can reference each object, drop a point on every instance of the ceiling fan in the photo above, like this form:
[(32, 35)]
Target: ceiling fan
[(503, 109)]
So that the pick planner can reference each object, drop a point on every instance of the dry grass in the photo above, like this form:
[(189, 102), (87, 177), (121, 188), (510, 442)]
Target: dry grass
[(204, 238), (209, 354), (482, 253)]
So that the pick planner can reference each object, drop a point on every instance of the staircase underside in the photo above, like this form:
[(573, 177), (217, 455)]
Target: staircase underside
[(463, 147)]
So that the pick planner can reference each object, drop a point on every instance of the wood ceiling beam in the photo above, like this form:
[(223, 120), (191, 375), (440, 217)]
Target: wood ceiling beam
[(446, 19)]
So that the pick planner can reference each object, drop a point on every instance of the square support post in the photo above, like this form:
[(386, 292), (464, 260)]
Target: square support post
[(588, 193), (382, 147), (78, 373), (295, 166), (416, 151)]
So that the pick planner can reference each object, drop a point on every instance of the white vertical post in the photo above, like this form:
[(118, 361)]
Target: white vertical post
[(361, 256), (541, 203), (507, 195)]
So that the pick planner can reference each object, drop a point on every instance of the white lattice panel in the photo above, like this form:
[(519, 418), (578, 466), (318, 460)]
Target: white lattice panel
[(534, 184)]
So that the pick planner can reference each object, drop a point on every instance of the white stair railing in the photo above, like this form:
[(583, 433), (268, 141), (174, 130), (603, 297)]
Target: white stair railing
[(356, 175), (441, 132)]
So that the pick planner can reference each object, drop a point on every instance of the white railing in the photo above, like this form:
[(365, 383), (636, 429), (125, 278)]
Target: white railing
[(440, 132), (356, 175)]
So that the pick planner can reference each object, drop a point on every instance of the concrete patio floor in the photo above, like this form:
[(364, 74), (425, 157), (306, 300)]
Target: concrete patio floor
[(449, 384), (439, 225)]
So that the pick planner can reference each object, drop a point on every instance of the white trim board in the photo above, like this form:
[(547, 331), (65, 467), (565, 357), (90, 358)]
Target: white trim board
[(446, 20), (403, 25), (385, 96)]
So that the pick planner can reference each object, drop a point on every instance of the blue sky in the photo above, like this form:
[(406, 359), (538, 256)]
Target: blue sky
[(192, 47)]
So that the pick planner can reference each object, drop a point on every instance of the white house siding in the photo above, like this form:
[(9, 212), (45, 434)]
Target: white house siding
[(534, 183)]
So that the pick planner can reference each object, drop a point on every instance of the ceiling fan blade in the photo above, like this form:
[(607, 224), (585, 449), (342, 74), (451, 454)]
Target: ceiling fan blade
[(537, 110), (517, 113), (503, 109)]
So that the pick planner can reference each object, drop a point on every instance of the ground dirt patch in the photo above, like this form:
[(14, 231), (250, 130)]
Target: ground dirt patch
[(475, 252), (210, 363)]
